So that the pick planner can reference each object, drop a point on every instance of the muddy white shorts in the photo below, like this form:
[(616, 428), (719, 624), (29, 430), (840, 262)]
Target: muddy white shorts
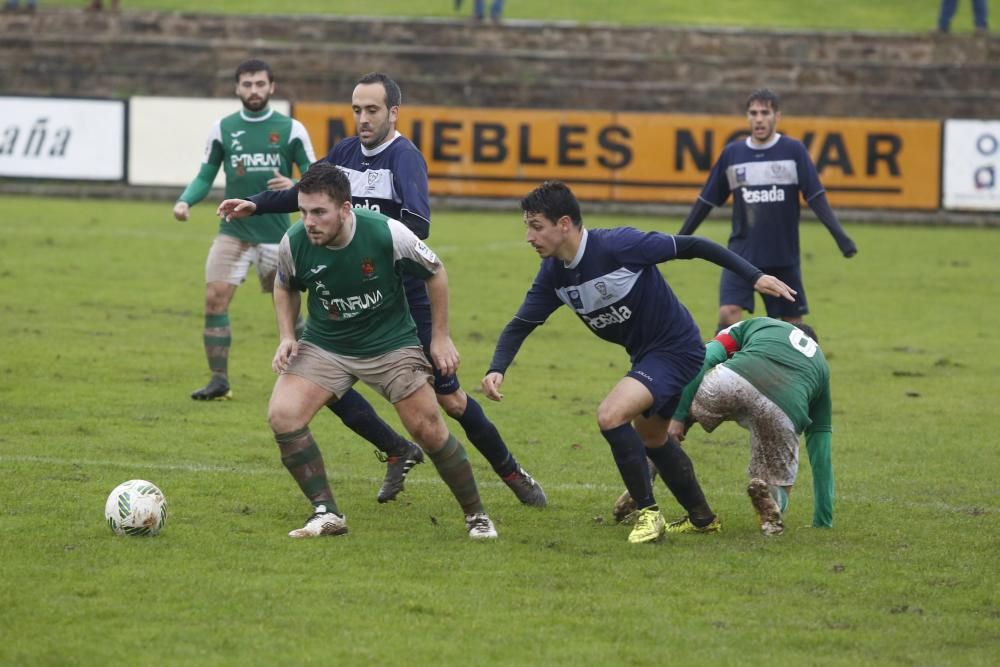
[(229, 261), (724, 395)]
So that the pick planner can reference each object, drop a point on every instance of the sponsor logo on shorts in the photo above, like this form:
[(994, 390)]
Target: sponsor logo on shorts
[(616, 315)]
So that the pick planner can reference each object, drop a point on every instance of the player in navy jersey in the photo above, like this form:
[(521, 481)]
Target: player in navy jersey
[(388, 174), (610, 280), (765, 173)]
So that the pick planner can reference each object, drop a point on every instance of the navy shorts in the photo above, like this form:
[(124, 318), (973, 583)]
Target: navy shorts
[(665, 373), (420, 309), (735, 291)]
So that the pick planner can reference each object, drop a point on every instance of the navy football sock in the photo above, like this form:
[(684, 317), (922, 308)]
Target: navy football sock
[(485, 437), (677, 471), (359, 416), (630, 456)]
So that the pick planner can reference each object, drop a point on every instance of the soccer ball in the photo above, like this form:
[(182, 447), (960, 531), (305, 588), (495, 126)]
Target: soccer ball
[(136, 507)]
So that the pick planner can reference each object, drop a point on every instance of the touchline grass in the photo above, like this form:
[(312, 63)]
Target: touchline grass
[(100, 314)]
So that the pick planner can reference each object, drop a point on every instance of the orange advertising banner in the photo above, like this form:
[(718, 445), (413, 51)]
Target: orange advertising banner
[(642, 157)]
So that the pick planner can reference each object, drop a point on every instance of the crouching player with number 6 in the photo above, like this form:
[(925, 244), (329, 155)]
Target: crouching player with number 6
[(770, 377), (350, 262), (610, 279)]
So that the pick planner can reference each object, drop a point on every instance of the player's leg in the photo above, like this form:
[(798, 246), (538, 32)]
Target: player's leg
[(664, 375), (979, 16), (225, 269), (948, 8), (789, 311), (399, 454), (774, 459), (298, 394), (403, 377), (479, 429), (627, 400), (735, 296)]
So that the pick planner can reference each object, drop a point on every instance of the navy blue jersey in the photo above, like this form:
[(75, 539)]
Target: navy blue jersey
[(390, 179), (765, 184), (615, 288)]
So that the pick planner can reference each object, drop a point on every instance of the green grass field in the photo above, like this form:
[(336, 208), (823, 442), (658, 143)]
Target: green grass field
[(883, 15), (101, 326)]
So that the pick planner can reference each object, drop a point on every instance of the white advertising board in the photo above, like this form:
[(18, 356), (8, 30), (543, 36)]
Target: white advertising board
[(167, 137), (49, 137), (972, 164)]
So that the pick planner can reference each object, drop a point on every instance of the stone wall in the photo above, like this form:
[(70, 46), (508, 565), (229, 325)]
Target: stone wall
[(515, 64)]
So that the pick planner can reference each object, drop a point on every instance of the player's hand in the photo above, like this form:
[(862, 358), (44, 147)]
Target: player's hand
[(181, 211), (444, 355), (491, 385), (287, 348), (773, 287), (676, 429), (235, 208), (279, 182), (848, 249)]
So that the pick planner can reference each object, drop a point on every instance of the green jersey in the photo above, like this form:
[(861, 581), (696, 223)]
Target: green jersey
[(356, 299), (783, 364), (787, 367), (250, 146)]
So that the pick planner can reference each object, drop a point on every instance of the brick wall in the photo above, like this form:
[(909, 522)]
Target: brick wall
[(516, 64)]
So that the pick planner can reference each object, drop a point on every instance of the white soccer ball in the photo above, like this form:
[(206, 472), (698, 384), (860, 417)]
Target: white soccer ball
[(136, 507)]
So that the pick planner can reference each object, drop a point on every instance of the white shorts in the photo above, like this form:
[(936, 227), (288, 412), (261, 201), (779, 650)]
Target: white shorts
[(724, 395), (394, 375), (229, 261)]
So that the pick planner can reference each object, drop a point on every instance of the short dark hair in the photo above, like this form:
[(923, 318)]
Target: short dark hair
[(807, 330), (763, 95), (325, 178), (393, 95), (553, 199), (254, 65)]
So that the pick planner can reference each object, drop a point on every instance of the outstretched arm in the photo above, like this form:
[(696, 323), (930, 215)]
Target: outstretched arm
[(821, 207), (690, 247)]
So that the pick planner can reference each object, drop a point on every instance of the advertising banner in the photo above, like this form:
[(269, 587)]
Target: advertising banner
[(641, 157), (167, 137), (74, 139), (972, 164)]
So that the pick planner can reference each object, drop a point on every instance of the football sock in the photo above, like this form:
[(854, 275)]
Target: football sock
[(780, 496), (359, 416), (630, 456), (302, 458), (453, 465), (677, 472), (217, 338), (485, 437)]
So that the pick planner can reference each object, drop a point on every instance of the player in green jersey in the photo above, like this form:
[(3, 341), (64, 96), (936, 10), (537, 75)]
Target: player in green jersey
[(771, 377), (350, 263), (257, 147)]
